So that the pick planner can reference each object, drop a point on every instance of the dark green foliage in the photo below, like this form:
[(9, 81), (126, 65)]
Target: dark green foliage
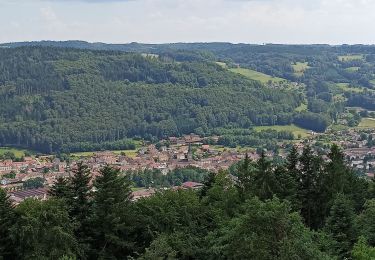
[(316, 122), (70, 100), (80, 192), (7, 219), (60, 189), (310, 187), (109, 222), (43, 231), (265, 230), (264, 178), (340, 225), (34, 183), (208, 183)]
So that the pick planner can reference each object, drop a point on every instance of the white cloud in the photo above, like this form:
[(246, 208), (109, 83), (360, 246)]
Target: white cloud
[(255, 21)]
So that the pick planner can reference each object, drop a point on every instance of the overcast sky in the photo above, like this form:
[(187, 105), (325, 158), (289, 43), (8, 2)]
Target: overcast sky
[(161, 21)]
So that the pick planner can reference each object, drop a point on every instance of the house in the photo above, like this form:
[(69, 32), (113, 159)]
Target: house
[(136, 195), (192, 185), (19, 196)]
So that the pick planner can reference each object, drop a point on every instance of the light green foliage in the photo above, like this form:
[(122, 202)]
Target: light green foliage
[(302, 107), (366, 222), (362, 251), (19, 153), (300, 67), (255, 75)]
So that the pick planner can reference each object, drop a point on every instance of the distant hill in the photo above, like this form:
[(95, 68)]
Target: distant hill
[(69, 96), (60, 100)]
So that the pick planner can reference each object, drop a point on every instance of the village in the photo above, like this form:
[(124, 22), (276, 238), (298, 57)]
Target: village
[(180, 153), (32, 176)]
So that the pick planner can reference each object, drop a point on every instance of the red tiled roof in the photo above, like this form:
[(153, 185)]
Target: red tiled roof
[(191, 184), (24, 194)]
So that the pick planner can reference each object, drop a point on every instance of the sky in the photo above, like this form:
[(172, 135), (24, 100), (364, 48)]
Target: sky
[(163, 21)]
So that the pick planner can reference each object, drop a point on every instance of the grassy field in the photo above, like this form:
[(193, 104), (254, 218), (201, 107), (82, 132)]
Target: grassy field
[(291, 128), (336, 127), (150, 55), (300, 67), (17, 152), (130, 153), (350, 57), (255, 75), (345, 87), (302, 107), (352, 69), (367, 123)]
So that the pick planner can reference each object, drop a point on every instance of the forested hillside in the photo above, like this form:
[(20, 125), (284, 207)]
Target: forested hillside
[(77, 96), (57, 99)]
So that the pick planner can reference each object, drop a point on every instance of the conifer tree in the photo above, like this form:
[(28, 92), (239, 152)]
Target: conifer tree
[(60, 189), (244, 176), (340, 225), (7, 219), (110, 215), (79, 203), (264, 179), (209, 182), (366, 222), (292, 161), (310, 191)]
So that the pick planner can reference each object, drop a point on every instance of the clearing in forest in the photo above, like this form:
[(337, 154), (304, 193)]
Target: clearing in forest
[(295, 130), (255, 75)]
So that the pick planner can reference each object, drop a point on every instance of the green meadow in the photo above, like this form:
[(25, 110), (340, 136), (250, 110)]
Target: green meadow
[(297, 131), (367, 123), (350, 57), (300, 68), (347, 88), (17, 152), (255, 75), (302, 107)]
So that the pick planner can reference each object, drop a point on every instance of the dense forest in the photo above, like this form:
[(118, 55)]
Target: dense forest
[(79, 96), (305, 208), (67, 100)]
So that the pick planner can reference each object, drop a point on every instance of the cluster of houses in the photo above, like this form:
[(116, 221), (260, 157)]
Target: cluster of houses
[(189, 150), (178, 153), (358, 148)]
